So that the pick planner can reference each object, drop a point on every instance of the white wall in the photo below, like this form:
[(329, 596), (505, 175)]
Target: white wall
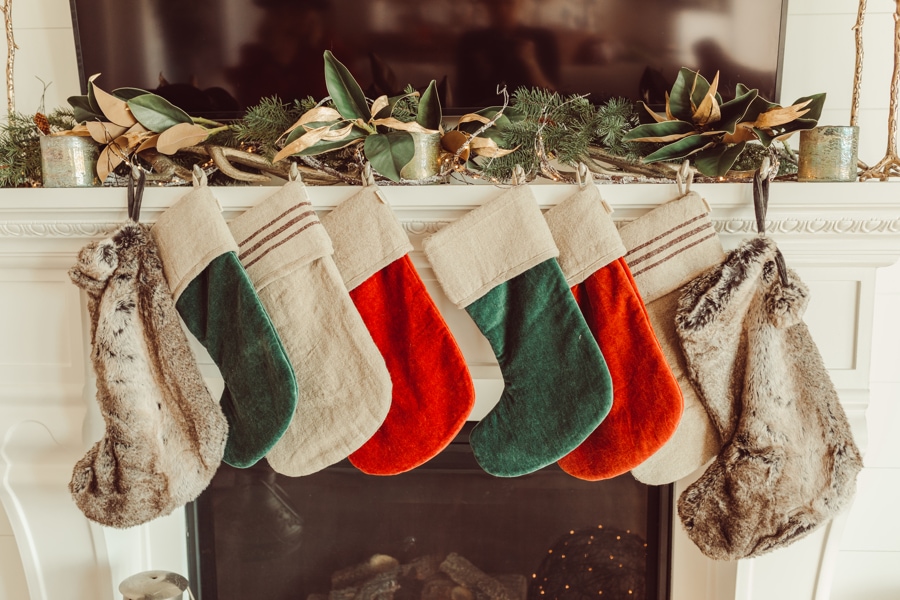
[(818, 57)]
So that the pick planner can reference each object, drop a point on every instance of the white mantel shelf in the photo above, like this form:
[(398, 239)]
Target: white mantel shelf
[(836, 235)]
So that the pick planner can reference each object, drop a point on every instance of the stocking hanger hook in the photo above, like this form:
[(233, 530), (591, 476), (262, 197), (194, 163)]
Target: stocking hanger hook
[(136, 181), (583, 175), (368, 177), (518, 176), (761, 180), (684, 177)]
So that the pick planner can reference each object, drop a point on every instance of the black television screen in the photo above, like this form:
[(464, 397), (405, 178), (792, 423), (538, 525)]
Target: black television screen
[(225, 55)]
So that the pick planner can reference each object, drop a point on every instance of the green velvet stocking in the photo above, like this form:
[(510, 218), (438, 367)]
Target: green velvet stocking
[(557, 386), (221, 309)]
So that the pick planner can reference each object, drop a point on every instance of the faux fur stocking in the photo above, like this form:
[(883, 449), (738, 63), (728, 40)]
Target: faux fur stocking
[(789, 463), (165, 435)]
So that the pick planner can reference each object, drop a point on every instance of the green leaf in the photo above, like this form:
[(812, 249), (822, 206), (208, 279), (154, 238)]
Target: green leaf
[(652, 130), (680, 149), (92, 99), (429, 115), (346, 94), (156, 113), (701, 88), (127, 93), (390, 152), (680, 96), (329, 146), (716, 161), (82, 111), (299, 131), (737, 110)]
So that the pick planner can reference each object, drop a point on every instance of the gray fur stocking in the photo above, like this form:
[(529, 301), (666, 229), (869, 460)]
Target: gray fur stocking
[(789, 462)]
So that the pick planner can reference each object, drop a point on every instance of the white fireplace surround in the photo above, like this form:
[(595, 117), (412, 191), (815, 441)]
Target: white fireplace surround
[(835, 235)]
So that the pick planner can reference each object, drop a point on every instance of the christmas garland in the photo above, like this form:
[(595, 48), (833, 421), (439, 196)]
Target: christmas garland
[(546, 133)]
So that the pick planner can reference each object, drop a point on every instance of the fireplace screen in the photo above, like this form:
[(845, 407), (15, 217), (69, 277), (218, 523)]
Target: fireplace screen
[(444, 531)]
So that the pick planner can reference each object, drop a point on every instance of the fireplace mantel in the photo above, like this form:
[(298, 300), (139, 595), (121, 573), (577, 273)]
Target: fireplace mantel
[(836, 235)]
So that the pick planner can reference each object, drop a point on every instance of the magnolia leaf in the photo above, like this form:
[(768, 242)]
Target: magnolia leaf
[(716, 161), (400, 125), (489, 148), (679, 104), (92, 99), (110, 157), (346, 94), (656, 116), (318, 114), (180, 136), (454, 140), (737, 110), (356, 136), (156, 113), (470, 117), (127, 93), (669, 114), (308, 139), (742, 133), (781, 115), (104, 133), (380, 104), (115, 109), (680, 149), (149, 142), (708, 111), (472, 122), (390, 152), (655, 132), (77, 131), (82, 111), (429, 114)]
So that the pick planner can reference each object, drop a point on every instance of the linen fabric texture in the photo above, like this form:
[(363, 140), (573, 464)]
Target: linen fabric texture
[(164, 434), (433, 392), (647, 402), (344, 385), (217, 302), (666, 248), (498, 262), (789, 463)]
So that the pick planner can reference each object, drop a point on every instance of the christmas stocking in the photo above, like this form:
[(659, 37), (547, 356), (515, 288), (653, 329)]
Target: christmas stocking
[(647, 402), (217, 302), (432, 389), (789, 463), (666, 248), (165, 435), (345, 388), (498, 262)]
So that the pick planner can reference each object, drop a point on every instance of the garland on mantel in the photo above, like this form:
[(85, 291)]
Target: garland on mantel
[(545, 132)]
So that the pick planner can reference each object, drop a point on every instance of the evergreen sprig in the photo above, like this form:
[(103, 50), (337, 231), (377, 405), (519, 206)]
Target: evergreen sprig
[(20, 146), (264, 123)]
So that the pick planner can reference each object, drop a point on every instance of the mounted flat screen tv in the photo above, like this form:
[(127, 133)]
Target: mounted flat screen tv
[(221, 56)]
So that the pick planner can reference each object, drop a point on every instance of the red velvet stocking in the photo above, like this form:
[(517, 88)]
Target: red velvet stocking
[(433, 392), (647, 402)]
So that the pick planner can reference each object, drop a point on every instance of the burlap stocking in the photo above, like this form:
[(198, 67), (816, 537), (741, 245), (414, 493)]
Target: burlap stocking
[(344, 386), (666, 248), (789, 463), (647, 403), (498, 262)]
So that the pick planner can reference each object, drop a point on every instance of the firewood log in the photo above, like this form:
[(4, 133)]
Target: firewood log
[(468, 575)]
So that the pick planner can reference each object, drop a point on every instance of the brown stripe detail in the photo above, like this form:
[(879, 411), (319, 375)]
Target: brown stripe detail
[(275, 233), (674, 254), (662, 235), (272, 222), (273, 246), (666, 246)]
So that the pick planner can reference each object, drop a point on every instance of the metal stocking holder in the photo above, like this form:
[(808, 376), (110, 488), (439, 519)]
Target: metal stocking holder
[(761, 180), (135, 193)]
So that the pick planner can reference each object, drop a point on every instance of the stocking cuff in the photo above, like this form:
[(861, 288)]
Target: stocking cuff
[(671, 245), (279, 234), (490, 245), (585, 234), (366, 235), (189, 236)]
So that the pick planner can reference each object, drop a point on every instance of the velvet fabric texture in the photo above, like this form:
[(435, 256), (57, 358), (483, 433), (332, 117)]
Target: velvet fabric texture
[(433, 392), (217, 302), (647, 402), (164, 435), (498, 262), (221, 309), (789, 463), (557, 387)]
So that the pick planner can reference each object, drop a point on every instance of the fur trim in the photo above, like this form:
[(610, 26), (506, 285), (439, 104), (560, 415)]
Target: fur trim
[(165, 435), (789, 463)]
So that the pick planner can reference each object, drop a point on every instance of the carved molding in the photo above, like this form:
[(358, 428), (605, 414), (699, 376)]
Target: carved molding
[(88, 229)]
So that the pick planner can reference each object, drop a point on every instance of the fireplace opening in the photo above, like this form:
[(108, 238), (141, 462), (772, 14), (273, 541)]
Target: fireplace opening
[(444, 531)]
